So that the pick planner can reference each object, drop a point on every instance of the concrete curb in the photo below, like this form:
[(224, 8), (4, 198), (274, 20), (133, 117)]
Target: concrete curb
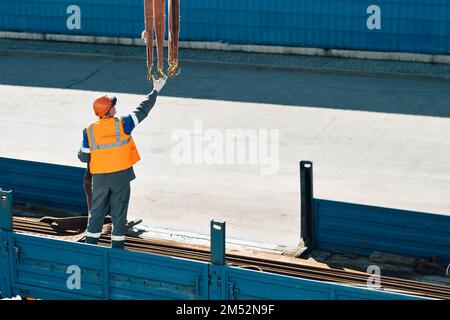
[(202, 45)]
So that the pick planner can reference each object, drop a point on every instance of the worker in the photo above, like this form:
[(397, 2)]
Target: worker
[(110, 152)]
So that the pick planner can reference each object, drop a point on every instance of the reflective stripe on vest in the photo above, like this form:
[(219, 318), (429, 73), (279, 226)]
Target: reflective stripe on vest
[(111, 145), (109, 156)]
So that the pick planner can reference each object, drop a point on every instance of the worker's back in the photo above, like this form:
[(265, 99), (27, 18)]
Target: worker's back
[(112, 149)]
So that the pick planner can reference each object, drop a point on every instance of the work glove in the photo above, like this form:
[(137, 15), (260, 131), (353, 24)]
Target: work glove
[(144, 36), (158, 84)]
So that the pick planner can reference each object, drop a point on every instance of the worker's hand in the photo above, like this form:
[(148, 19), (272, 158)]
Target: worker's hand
[(144, 36), (158, 84)]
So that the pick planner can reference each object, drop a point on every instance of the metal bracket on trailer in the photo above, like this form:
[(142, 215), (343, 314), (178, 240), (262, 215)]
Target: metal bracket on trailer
[(5, 274), (306, 202), (6, 202), (306, 242), (217, 276), (218, 243), (5, 229)]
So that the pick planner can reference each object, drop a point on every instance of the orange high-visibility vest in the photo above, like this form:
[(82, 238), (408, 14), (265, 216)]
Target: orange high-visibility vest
[(111, 148)]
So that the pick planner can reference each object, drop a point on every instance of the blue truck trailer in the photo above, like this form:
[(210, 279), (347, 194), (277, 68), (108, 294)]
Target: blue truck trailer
[(39, 265)]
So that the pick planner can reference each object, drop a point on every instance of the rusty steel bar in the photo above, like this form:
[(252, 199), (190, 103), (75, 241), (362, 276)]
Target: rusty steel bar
[(174, 34)]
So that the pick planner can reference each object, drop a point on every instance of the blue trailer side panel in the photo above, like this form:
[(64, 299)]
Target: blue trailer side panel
[(156, 277), (250, 285), (421, 26), (44, 184), (34, 266), (43, 268), (347, 227)]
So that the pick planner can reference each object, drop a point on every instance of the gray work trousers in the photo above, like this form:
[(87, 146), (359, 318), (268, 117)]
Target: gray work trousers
[(116, 199)]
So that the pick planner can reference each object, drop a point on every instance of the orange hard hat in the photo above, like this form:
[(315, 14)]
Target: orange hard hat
[(103, 104)]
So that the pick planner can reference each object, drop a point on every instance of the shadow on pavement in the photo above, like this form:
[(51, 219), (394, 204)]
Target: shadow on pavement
[(235, 83)]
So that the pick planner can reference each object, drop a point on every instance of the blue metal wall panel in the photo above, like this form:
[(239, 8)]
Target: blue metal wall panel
[(156, 277), (42, 264), (36, 267), (252, 285), (44, 184), (39, 269), (421, 26), (347, 227)]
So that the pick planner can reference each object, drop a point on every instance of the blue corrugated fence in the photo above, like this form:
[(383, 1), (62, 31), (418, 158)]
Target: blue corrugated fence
[(420, 26)]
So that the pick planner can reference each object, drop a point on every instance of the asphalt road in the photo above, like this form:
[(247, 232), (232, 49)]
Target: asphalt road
[(373, 140)]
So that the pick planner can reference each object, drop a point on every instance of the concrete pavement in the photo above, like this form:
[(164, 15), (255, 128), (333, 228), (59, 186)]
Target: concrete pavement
[(373, 140)]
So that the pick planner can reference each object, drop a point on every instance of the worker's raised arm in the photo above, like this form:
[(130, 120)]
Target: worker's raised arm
[(137, 116), (84, 154)]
